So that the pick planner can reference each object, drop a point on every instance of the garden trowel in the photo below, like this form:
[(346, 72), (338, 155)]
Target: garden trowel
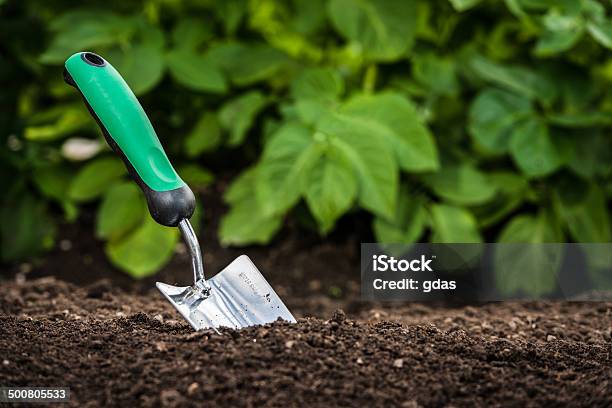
[(239, 295)]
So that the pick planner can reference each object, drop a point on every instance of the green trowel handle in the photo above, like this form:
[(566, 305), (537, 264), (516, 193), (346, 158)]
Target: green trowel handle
[(129, 132)]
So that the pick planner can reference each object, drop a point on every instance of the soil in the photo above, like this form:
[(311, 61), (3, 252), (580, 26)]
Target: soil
[(116, 342), (118, 349)]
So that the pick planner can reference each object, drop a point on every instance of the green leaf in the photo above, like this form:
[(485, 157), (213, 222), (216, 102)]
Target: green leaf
[(493, 117), (583, 210), (555, 42), (189, 33), (145, 250), (588, 152), (331, 188), (310, 16), (85, 29), (592, 9), (285, 25), (463, 5), (101, 19), (242, 187), (148, 34), (532, 150), (365, 146), (511, 192), (403, 129), (407, 225), (238, 114), (521, 80), (231, 13), (562, 33), (195, 175), (287, 157), (461, 184), (53, 181), (245, 223), (204, 137), (309, 111), (56, 123), (195, 71), (383, 29), (435, 73), (141, 65), (122, 209), (515, 7), (95, 178), (27, 229), (247, 64), (317, 83), (453, 225), (530, 229), (601, 32), (580, 119), (531, 269)]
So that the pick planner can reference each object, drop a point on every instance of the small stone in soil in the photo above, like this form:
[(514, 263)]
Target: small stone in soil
[(170, 398), (65, 245), (339, 316), (193, 387), (98, 289), (196, 335), (314, 285), (398, 363)]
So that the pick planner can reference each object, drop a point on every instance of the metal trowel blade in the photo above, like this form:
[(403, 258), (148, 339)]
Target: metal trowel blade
[(239, 297)]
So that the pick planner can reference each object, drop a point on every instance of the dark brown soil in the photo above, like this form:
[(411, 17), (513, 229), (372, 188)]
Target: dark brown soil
[(127, 347), (114, 348)]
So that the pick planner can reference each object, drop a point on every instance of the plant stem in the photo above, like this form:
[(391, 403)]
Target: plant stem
[(369, 78)]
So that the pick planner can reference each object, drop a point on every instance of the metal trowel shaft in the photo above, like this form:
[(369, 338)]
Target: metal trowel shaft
[(193, 247)]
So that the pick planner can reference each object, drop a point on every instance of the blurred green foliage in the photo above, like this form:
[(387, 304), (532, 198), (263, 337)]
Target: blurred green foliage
[(448, 121)]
